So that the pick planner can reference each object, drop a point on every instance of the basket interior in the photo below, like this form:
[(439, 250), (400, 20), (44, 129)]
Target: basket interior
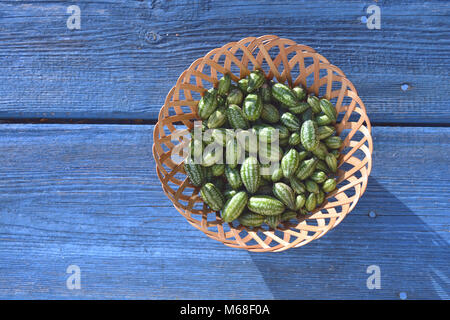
[(289, 63)]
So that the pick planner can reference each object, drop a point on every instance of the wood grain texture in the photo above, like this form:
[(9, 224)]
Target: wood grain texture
[(128, 54), (88, 195)]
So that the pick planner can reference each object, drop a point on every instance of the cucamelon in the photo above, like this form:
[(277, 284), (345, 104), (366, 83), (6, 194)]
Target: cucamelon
[(328, 109), (285, 194), (284, 94), (251, 219), (236, 117), (207, 104), (212, 196), (224, 85), (265, 205), (290, 162), (255, 81), (329, 185), (235, 96), (252, 107), (290, 121), (234, 206), (311, 202), (309, 136), (233, 177), (250, 174), (195, 173)]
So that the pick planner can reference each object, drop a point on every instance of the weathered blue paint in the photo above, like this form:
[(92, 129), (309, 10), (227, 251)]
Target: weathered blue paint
[(88, 195), (128, 54)]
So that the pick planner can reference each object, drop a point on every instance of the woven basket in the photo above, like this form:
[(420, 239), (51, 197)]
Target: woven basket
[(287, 62)]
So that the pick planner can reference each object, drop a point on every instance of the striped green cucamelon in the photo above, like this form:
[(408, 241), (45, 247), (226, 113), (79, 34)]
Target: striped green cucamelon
[(284, 94), (266, 93), (212, 196), (224, 84), (311, 202), (314, 102), (269, 113), (290, 121), (207, 104), (195, 173), (233, 177), (207, 172), (328, 109), (218, 169), (299, 92), (318, 176), (283, 131), (335, 153), (310, 139), (236, 117), (252, 107), (243, 84), (297, 185), (235, 96), (331, 162), (277, 174), (329, 185), (273, 221), (250, 174), (312, 186), (333, 142), (320, 151), (265, 205), (255, 80), (299, 108), (217, 118), (306, 168), (234, 206), (267, 134), (320, 197), (285, 194), (325, 131), (322, 120), (294, 139), (290, 162), (322, 166), (288, 215), (251, 219), (300, 201)]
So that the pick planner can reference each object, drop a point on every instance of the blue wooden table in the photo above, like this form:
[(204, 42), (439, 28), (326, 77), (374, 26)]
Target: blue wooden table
[(78, 187)]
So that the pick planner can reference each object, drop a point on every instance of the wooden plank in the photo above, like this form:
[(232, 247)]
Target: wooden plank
[(128, 54), (88, 195)]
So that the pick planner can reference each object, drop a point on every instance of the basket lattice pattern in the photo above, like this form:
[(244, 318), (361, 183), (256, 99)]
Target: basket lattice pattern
[(290, 63)]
